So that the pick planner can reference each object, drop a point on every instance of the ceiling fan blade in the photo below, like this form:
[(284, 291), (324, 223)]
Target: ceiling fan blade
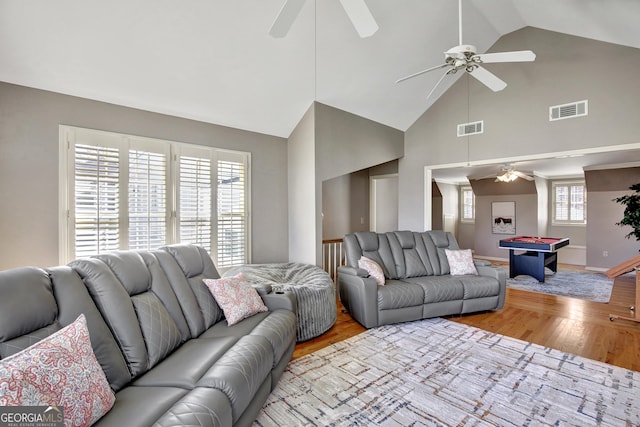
[(515, 56), (286, 16), (437, 84), (523, 175), (489, 79), (360, 17), (421, 72)]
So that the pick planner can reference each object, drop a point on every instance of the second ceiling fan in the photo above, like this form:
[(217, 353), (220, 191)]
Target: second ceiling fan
[(464, 57)]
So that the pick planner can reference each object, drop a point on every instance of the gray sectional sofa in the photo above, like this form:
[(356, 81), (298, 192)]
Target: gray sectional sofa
[(417, 280), (157, 333)]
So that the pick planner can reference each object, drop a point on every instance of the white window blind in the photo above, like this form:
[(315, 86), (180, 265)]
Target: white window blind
[(195, 191), (147, 197), (97, 203), (569, 203), (125, 192), (468, 204), (231, 213)]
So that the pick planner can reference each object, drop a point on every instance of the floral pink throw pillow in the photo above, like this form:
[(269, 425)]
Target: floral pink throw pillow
[(373, 268), (460, 262), (60, 370), (236, 297)]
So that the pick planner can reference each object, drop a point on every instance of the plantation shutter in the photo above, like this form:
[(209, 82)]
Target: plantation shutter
[(577, 203), (195, 192), (147, 197), (122, 192), (569, 203), (562, 203), (97, 202), (231, 210)]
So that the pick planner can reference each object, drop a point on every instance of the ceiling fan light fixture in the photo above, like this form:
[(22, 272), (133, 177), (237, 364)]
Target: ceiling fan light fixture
[(508, 176)]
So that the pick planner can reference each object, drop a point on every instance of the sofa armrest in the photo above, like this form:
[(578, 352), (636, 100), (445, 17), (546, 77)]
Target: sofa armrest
[(280, 300), (500, 274), (353, 271), (262, 288), (359, 295)]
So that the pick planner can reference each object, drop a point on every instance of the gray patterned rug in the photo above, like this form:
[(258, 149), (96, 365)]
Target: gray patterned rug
[(589, 286), (440, 373)]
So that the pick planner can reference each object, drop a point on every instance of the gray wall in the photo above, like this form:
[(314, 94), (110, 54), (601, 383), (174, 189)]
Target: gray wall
[(523, 193), (603, 213), (326, 144), (345, 201), (347, 143), (345, 205), (303, 192), (567, 69), (29, 120)]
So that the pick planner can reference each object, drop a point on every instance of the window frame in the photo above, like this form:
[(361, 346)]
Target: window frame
[(568, 184), (70, 136), (463, 219)]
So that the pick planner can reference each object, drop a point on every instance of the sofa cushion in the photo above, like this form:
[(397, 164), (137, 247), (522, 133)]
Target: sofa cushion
[(405, 254), (160, 333), (116, 307), (188, 364), (73, 298), (460, 262), (60, 370), (207, 312), (374, 246), (241, 371), (237, 298), (27, 305), (441, 240), (399, 294), (373, 268), (440, 288)]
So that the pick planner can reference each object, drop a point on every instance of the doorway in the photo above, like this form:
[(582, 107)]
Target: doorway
[(383, 201)]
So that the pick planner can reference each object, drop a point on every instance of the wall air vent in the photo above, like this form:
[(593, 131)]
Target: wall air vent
[(567, 111), (465, 129)]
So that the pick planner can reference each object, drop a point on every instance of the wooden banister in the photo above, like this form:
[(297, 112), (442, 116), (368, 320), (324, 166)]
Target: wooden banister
[(624, 267)]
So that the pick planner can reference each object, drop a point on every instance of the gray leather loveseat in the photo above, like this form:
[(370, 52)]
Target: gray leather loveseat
[(417, 280), (158, 334)]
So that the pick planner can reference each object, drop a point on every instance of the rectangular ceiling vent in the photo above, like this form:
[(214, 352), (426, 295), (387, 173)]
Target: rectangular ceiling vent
[(465, 129), (568, 111)]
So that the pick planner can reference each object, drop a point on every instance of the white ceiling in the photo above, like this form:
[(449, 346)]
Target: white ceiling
[(213, 61)]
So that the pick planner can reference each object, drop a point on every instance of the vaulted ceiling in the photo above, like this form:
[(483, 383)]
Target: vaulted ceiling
[(213, 60)]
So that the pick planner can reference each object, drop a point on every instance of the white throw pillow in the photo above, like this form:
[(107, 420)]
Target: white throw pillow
[(373, 268), (460, 262), (237, 298)]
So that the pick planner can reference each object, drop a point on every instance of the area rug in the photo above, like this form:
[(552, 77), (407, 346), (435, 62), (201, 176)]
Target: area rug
[(575, 284), (439, 373)]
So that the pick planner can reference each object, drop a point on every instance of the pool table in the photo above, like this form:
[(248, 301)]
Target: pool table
[(539, 252)]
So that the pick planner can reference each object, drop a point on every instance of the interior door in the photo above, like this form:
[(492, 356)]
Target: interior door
[(384, 203)]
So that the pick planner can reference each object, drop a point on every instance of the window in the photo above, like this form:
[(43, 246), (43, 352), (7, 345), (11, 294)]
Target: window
[(467, 204), (569, 202), (124, 192)]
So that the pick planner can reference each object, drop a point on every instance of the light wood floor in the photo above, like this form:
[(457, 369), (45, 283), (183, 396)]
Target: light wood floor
[(567, 324)]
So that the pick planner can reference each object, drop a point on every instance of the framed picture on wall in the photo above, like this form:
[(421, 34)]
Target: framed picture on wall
[(503, 217)]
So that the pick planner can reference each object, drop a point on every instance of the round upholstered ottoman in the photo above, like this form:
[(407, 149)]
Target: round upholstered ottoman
[(311, 285)]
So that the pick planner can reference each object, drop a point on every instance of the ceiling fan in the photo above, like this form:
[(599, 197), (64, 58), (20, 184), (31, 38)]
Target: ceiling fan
[(509, 174), (464, 57), (356, 10)]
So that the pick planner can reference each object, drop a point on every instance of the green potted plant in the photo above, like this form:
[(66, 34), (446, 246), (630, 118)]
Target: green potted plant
[(631, 216)]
